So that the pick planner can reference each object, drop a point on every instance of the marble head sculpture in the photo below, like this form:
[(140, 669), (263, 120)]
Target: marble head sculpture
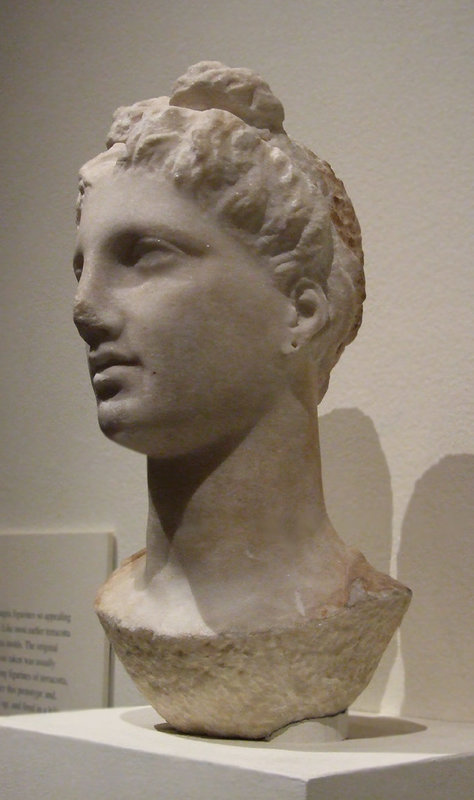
[(220, 277)]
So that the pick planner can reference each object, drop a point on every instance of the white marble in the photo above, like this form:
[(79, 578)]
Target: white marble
[(220, 276)]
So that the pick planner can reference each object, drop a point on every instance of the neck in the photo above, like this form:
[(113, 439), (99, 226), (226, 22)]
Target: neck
[(242, 526)]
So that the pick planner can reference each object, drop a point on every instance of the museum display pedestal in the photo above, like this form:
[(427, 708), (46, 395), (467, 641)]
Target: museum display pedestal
[(118, 753)]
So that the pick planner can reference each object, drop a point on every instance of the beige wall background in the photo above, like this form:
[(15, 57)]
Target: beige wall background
[(384, 92)]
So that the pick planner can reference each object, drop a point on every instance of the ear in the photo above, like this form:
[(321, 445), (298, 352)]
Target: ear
[(310, 313)]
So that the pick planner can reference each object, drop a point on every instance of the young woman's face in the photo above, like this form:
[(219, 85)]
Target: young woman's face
[(184, 327)]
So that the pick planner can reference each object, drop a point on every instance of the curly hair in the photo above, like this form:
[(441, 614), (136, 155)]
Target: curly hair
[(220, 139)]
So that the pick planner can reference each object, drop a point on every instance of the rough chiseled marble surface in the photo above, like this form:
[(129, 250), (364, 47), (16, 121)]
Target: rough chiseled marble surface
[(250, 685)]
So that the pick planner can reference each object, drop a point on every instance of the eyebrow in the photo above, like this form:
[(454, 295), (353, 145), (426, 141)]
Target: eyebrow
[(189, 243)]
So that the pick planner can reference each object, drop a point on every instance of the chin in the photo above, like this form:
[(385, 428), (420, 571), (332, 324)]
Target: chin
[(158, 438), (111, 417), (166, 437)]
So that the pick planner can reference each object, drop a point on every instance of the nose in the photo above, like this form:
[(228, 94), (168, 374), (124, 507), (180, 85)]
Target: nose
[(95, 314)]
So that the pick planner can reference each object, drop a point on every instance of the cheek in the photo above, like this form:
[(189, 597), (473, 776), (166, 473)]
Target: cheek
[(196, 348), (209, 336)]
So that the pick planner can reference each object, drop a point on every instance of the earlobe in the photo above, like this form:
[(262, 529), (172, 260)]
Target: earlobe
[(311, 313)]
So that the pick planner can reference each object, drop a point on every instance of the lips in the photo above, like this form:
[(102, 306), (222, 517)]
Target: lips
[(104, 360), (107, 372)]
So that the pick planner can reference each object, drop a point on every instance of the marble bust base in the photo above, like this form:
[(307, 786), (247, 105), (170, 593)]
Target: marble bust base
[(250, 685)]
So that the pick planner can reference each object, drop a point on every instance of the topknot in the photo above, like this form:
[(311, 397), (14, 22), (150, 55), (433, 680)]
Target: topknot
[(210, 84)]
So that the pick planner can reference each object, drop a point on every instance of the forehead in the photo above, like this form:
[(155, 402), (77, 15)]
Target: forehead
[(137, 198)]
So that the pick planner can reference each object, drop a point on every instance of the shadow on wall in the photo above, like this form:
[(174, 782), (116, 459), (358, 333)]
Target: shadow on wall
[(436, 560), (358, 495)]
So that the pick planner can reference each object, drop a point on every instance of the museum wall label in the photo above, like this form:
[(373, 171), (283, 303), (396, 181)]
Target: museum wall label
[(52, 657)]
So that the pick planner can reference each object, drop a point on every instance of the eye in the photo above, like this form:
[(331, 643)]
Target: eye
[(78, 265), (149, 251)]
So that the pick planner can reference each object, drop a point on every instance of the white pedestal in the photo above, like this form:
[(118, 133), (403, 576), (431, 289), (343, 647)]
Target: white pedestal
[(116, 754)]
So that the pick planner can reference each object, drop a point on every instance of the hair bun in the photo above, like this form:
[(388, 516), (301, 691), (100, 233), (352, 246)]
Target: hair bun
[(210, 84)]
